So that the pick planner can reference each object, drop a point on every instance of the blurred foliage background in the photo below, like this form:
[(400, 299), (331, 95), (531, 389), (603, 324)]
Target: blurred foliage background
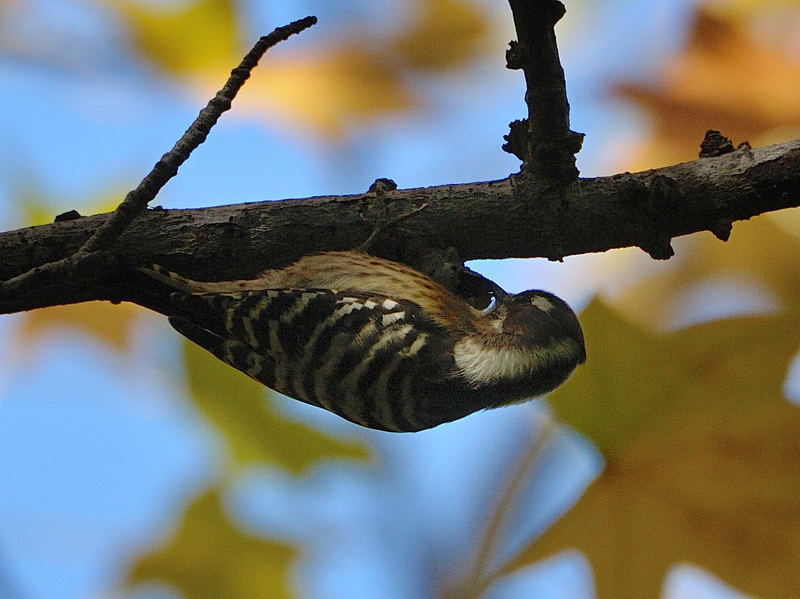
[(134, 465)]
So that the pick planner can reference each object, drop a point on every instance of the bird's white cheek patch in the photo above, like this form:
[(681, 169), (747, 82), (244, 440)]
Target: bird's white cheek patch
[(482, 365)]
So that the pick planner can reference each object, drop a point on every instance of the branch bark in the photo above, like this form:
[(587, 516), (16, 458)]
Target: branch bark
[(544, 142), (511, 217)]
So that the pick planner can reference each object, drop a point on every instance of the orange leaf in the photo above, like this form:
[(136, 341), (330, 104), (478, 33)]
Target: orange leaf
[(703, 459), (442, 34), (725, 79), (328, 89)]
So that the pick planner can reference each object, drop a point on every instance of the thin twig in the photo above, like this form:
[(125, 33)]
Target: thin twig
[(544, 141), (167, 167), (480, 575)]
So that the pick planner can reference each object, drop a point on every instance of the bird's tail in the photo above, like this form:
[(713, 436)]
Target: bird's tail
[(153, 287), (170, 280)]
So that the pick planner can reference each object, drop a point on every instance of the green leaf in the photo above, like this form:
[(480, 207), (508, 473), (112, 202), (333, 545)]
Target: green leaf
[(237, 407), (209, 557)]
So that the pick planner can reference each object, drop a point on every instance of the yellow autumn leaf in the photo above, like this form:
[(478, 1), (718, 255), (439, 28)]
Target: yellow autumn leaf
[(111, 325), (238, 408), (320, 89), (182, 38), (788, 221), (210, 557), (37, 207), (746, 10), (442, 34), (327, 90), (758, 255), (30, 200), (703, 459)]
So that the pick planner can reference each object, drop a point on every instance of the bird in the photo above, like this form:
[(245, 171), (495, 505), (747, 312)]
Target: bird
[(373, 340)]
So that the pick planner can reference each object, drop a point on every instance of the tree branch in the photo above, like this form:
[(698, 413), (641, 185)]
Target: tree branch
[(432, 228), (84, 261), (494, 219), (544, 142)]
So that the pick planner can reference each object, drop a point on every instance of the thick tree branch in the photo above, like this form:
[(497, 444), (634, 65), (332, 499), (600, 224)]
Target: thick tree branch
[(495, 219)]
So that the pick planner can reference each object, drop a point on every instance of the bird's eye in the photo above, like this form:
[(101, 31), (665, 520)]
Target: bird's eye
[(492, 305)]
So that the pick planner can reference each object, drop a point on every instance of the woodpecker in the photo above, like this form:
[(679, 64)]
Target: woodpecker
[(374, 341)]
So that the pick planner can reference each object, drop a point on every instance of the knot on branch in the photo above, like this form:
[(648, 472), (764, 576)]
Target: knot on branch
[(662, 193), (721, 228), (549, 158), (517, 139), (659, 249), (514, 58), (555, 159), (65, 216), (715, 144), (382, 184)]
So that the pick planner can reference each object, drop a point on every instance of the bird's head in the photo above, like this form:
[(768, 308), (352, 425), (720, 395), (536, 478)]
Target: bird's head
[(539, 319)]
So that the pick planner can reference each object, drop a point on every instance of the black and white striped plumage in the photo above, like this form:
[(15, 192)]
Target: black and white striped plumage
[(375, 341)]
